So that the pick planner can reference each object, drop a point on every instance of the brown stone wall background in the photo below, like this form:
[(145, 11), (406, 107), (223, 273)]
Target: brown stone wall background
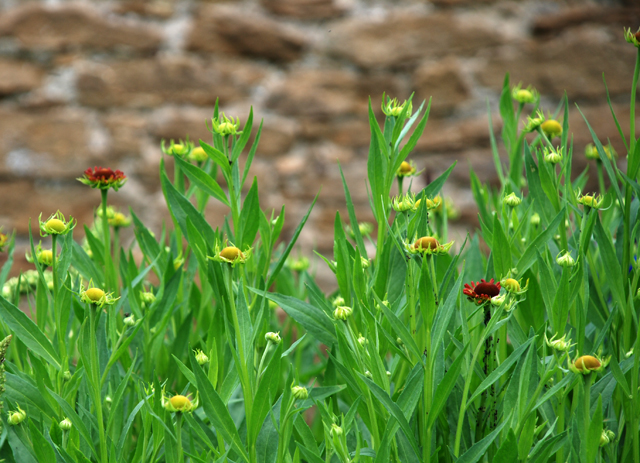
[(102, 82)]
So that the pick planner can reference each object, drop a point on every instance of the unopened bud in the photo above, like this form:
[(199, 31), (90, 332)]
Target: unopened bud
[(273, 338), (299, 392), (65, 424)]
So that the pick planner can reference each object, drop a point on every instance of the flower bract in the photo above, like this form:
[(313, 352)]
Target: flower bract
[(632, 38), (588, 363), (524, 95), (96, 296), (56, 224), (428, 245), (407, 169), (230, 254), (179, 404), (225, 126)]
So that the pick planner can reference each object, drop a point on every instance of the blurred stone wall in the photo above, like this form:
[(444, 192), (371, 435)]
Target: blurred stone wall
[(103, 82)]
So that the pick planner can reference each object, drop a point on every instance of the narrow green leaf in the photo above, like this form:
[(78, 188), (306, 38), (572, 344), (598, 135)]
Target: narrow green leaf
[(501, 370), (611, 264), (508, 451), (244, 137), (217, 156), (539, 243), (393, 410), (41, 446), (500, 250), (478, 450), (217, 411), (28, 332), (182, 208), (287, 251), (433, 188), (313, 319), (203, 180), (250, 216), (443, 391)]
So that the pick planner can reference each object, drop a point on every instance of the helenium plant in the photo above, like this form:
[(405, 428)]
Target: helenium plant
[(516, 343)]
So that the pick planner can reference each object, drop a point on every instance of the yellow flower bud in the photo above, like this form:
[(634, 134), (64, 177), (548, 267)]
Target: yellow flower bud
[(510, 284), (56, 225), (94, 294), (551, 128)]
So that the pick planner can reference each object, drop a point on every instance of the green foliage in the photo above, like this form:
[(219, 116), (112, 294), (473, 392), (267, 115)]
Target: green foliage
[(218, 345)]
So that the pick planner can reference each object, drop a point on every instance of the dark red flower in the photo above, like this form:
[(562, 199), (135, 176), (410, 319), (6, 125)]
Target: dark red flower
[(103, 178), (482, 291)]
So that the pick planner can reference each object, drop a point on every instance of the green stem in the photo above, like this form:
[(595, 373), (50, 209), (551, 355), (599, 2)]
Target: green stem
[(110, 285), (632, 106), (427, 398), (601, 186), (60, 328), (282, 431), (97, 398), (375, 436), (242, 358), (467, 385), (179, 437)]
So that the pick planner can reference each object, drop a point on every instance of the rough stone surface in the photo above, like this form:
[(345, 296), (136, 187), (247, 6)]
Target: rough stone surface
[(74, 26), (18, 76), (403, 39), (154, 8), (152, 83), (444, 81), (306, 9), (234, 30), (559, 64), (31, 145)]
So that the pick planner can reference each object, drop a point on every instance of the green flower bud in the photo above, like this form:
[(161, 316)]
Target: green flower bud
[(336, 431), (342, 312), (201, 357), (273, 338), (299, 392), (18, 416), (565, 259), (512, 200), (535, 219), (65, 424)]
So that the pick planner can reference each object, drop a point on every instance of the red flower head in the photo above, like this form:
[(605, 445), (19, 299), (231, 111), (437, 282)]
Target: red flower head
[(103, 178), (481, 292)]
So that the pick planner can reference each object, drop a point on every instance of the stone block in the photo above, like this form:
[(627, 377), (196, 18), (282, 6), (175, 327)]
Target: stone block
[(237, 31), (31, 144), (18, 76), (444, 81), (154, 82), (162, 9), (74, 26), (401, 40), (305, 9)]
